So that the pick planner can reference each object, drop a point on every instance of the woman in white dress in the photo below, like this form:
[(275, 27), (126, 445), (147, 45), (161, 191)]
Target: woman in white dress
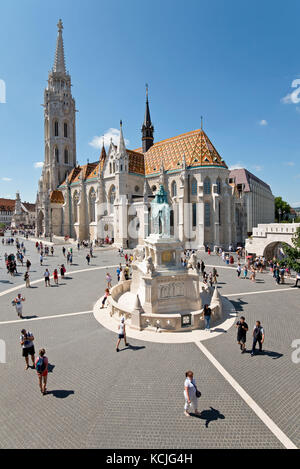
[(190, 391)]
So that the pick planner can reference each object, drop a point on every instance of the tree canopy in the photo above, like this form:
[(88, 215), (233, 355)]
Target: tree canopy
[(283, 206), (292, 254)]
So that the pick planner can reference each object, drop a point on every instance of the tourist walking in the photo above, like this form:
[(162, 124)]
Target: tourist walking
[(28, 264), (88, 259), (55, 277), (41, 366), (191, 394), (106, 295), (17, 302), (297, 279), (108, 279), (41, 259), (258, 336), (242, 328), (122, 334), (239, 270), (207, 316), (64, 251), (215, 275), (26, 341), (47, 278), (27, 280), (62, 271)]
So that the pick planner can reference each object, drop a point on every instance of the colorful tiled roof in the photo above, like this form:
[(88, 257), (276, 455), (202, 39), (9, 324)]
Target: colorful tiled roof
[(136, 162), (195, 145), (56, 197)]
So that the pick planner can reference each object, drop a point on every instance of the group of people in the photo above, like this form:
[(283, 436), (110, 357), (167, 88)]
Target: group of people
[(40, 364)]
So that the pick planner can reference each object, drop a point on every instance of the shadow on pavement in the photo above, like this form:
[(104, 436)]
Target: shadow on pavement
[(238, 304), (132, 347), (209, 415), (60, 393)]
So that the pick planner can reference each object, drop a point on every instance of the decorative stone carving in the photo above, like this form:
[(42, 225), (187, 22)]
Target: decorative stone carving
[(192, 263), (150, 269), (171, 290)]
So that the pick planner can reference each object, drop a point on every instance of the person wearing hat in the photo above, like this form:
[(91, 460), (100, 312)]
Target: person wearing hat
[(122, 334), (26, 341)]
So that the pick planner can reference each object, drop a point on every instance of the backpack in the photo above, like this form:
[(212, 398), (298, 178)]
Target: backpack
[(40, 366)]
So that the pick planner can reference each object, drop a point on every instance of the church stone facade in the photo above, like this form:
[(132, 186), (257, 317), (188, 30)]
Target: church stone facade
[(112, 196)]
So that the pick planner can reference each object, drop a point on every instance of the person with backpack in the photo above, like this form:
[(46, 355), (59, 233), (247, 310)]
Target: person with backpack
[(41, 366), (28, 264), (242, 328), (258, 336), (88, 258), (26, 341)]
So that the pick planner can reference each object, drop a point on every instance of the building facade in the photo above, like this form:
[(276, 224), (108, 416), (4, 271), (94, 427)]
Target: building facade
[(15, 213), (112, 196)]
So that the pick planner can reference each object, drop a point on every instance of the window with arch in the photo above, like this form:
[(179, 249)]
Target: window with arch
[(47, 155), (112, 197), (174, 189), (207, 186), (56, 154), (219, 185), (65, 130), (92, 205), (207, 214), (75, 207), (66, 156), (194, 187), (220, 213), (56, 129)]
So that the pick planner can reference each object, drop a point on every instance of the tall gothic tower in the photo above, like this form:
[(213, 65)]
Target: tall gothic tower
[(59, 114), (147, 128)]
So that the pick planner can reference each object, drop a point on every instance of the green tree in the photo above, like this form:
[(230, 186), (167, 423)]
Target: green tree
[(282, 209), (292, 254)]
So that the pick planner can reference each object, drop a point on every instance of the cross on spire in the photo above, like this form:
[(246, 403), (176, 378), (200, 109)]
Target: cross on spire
[(59, 61)]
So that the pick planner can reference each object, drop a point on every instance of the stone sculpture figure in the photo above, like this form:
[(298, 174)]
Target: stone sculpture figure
[(192, 263), (150, 269)]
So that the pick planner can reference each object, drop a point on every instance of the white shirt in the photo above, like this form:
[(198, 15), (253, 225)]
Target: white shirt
[(191, 385)]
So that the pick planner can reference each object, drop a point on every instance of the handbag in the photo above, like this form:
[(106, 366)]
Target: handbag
[(198, 393)]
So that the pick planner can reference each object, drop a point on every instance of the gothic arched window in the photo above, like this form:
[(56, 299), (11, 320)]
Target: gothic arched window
[(207, 186), (56, 153), (75, 207), (174, 189), (56, 129), (111, 198), (65, 130), (92, 203), (219, 184), (194, 187), (66, 156), (207, 214)]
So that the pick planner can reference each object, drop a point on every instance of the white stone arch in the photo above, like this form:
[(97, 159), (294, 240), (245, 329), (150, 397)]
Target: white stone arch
[(273, 249)]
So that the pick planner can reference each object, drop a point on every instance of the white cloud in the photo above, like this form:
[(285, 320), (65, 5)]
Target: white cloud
[(293, 97), (238, 165), (111, 133), (38, 164), (263, 122), (257, 167), (289, 163), (295, 204), (6, 179)]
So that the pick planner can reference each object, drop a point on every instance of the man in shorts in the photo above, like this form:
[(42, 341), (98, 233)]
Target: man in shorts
[(242, 328), (26, 341)]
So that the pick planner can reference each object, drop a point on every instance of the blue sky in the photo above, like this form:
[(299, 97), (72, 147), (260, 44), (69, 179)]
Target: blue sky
[(232, 61)]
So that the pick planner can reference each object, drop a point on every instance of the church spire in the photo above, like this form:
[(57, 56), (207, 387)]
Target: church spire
[(147, 129), (121, 150), (59, 61)]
